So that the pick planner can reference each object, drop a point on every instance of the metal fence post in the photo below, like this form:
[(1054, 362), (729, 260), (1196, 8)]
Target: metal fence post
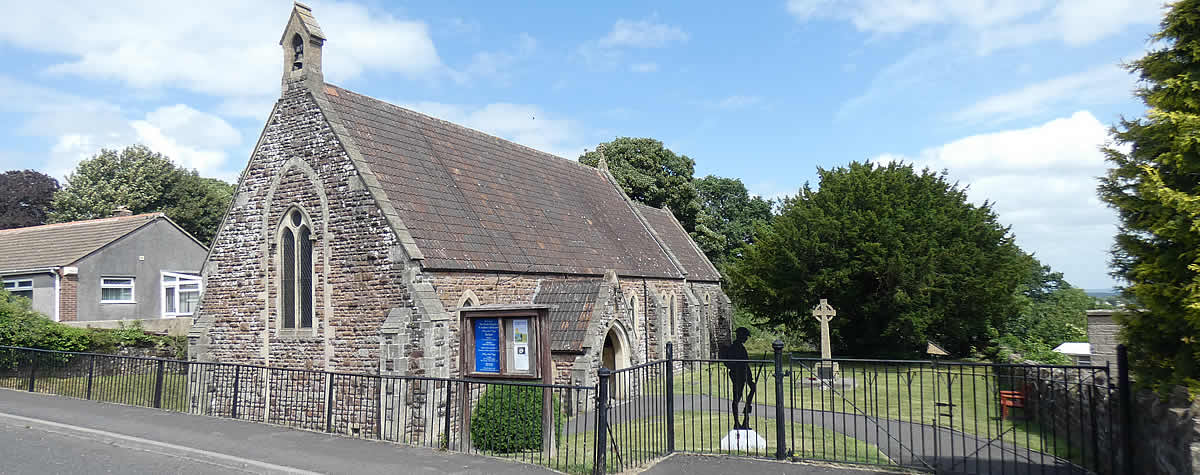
[(780, 436), (91, 373), (446, 429), (32, 369), (158, 385), (1127, 422), (237, 376), (601, 428), (328, 402), (670, 398)]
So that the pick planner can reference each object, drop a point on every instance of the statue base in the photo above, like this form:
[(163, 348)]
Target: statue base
[(828, 370), (743, 439)]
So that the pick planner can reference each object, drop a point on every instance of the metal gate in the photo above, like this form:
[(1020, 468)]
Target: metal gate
[(933, 416)]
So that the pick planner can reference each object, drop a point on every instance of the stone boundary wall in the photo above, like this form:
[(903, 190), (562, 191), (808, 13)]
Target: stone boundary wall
[(179, 326), (1085, 402)]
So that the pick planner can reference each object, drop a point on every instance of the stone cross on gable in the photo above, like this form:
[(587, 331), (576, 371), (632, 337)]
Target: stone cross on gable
[(824, 312)]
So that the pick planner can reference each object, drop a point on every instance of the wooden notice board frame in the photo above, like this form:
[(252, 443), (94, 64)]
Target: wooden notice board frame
[(541, 363)]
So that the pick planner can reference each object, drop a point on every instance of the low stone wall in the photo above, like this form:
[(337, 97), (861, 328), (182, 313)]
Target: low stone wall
[(1083, 402), (170, 326)]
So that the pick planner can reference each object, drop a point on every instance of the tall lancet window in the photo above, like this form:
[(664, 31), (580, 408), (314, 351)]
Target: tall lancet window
[(295, 271), (298, 52)]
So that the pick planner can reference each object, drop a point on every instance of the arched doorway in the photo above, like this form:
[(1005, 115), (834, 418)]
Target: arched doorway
[(615, 356)]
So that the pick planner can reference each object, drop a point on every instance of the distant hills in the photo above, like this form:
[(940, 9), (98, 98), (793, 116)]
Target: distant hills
[(1101, 293)]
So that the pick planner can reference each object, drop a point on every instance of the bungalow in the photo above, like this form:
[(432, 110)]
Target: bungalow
[(119, 268)]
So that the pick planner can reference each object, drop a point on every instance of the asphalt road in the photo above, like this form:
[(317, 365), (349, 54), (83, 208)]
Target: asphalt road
[(42, 434)]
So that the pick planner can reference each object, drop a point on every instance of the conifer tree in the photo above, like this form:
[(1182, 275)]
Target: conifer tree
[(1154, 185)]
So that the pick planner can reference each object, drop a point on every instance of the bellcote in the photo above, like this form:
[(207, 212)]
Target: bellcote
[(301, 42)]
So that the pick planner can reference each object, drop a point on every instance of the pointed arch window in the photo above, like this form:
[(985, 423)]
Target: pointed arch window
[(295, 271), (671, 326)]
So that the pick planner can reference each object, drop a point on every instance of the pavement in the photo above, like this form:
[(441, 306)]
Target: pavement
[(719, 465), (42, 433)]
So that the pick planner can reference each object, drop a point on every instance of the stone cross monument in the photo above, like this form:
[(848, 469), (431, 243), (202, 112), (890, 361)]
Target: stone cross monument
[(824, 312)]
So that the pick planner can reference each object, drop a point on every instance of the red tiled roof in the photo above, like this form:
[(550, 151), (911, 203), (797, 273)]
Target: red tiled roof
[(681, 245), (476, 202)]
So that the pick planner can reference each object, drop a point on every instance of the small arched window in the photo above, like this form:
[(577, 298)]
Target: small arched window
[(671, 327), (631, 312), (295, 271), (297, 52)]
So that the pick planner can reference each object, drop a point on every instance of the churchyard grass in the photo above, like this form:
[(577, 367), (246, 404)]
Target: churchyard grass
[(634, 443), (900, 392)]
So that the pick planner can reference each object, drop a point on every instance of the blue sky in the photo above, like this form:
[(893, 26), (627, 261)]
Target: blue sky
[(1012, 97)]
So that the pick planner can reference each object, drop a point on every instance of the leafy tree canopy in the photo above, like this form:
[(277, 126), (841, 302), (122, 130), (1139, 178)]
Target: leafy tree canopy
[(24, 198), (143, 181), (1154, 184), (730, 214), (652, 174), (901, 254)]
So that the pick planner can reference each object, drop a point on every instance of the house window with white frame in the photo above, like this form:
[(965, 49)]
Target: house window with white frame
[(180, 294), (20, 287), (116, 290)]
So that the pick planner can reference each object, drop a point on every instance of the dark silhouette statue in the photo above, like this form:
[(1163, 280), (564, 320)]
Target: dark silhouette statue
[(736, 357)]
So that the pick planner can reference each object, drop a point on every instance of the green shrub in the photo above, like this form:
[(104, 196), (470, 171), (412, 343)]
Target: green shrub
[(509, 419), (22, 326)]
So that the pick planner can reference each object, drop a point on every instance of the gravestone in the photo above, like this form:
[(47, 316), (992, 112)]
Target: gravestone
[(824, 312)]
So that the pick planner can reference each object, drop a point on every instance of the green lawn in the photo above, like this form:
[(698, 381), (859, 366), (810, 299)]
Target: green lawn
[(634, 443), (898, 392)]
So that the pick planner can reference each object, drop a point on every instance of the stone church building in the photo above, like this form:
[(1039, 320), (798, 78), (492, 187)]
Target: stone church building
[(359, 229)]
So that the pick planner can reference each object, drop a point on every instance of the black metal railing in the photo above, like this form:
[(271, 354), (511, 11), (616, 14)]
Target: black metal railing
[(945, 417), (440, 413)]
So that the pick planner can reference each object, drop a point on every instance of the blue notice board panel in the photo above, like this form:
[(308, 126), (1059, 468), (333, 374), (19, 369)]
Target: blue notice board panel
[(487, 345)]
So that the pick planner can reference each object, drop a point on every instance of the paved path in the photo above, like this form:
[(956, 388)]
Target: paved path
[(42, 433), (909, 444), (719, 465)]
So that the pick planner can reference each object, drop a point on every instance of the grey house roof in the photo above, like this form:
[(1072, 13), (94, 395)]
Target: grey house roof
[(576, 302), (472, 201), (62, 244)]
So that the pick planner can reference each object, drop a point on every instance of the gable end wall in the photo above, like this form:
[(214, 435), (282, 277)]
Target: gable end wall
[(359, 264)]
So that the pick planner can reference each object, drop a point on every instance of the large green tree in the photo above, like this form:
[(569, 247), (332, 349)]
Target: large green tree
[(901, 254), (652, 174), (730, 215), (25, 197), (1154, 184), (1050, 312), (142, 181)]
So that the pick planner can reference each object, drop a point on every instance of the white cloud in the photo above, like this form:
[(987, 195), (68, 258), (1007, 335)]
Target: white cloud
[(494, 64), (525, 124), (1042, 181), (609, 50), (738, 102), (988, 24), (80, 127), (1095, 86), (642, 34), (643, 67), (194, 45)]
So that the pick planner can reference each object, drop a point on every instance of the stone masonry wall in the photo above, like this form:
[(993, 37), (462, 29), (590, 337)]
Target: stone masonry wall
[(1084, 402), (1102, 333), (358, 275)]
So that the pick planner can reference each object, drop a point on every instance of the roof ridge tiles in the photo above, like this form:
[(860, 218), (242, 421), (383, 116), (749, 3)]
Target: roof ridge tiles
[(82, 222)]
